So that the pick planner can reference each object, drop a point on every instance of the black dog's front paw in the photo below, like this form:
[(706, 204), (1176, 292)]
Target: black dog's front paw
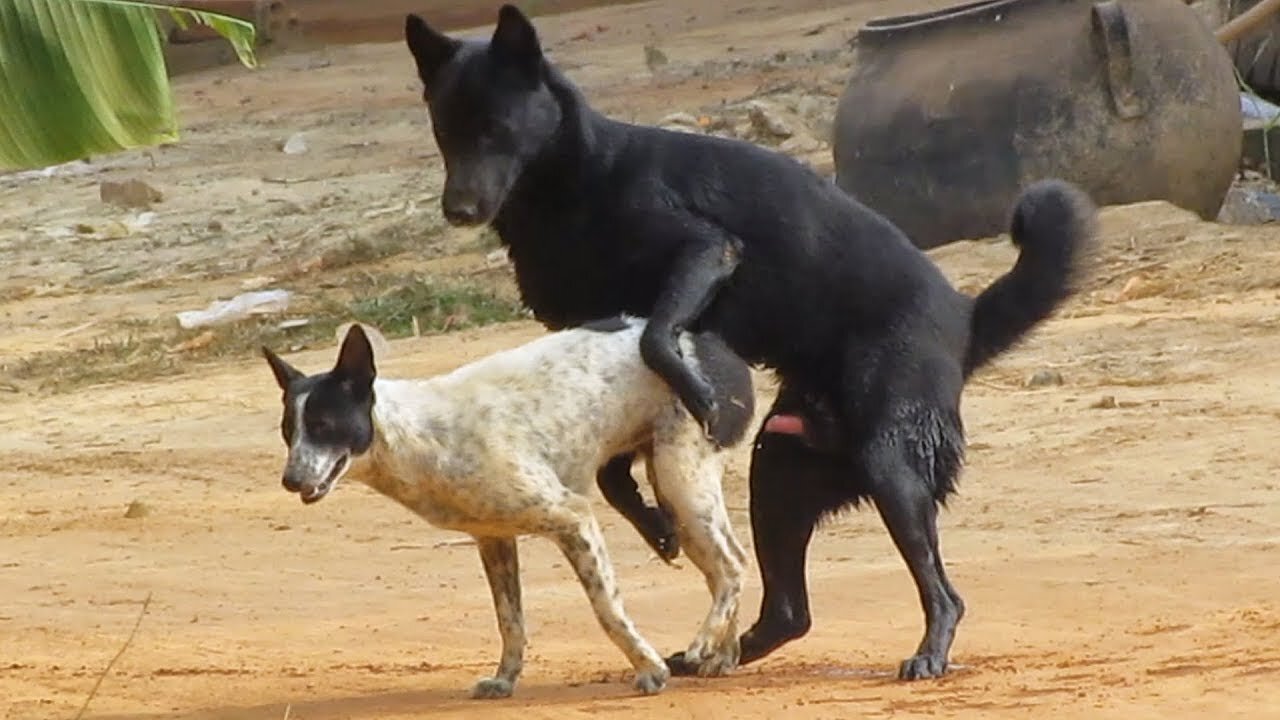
[(922, 667), (700, 400), (681, 667)]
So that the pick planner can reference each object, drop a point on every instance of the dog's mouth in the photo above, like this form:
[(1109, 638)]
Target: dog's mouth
[(314, 494)]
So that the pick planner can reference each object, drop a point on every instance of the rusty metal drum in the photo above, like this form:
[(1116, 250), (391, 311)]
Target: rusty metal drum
[(949, 114)]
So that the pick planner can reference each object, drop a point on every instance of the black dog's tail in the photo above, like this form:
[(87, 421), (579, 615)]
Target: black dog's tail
[(1053, 223)]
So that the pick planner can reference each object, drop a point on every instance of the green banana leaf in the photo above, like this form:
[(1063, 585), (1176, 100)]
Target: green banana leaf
[(87, 77)]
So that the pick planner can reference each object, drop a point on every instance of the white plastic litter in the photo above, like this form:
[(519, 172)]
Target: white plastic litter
[(295, 145), (219, 312)]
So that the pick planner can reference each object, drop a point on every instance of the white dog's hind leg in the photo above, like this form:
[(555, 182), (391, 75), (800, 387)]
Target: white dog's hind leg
[(583, 545), (687, 473), (502, 568)]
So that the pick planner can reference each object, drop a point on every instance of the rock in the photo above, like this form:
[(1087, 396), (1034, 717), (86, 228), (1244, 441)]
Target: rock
[(214, 226), (680, 118), (654, 58), (295, 145), (132, 193), (1106, 402), (681, 121), (810, 107), (137, 509), (199, 342), (799, 145), (767, 123), (1044, 378), (1249, 206), (496, 258), (1139, 287)]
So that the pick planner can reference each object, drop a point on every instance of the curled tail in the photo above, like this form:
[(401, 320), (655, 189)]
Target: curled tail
[(1053, 223)]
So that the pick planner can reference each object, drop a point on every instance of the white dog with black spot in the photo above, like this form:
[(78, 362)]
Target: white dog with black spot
[(509, 446)]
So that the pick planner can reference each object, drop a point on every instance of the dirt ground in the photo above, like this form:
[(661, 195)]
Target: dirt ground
[(1116, 537)]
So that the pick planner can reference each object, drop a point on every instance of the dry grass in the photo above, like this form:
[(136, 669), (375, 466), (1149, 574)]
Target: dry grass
[(398, 305)]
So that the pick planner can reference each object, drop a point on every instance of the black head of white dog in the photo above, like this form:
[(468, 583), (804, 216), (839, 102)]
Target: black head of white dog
[(328, 418), (491, 110)]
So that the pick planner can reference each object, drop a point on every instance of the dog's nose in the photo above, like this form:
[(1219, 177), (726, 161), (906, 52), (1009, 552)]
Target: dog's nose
[(290, 483), (459, 209)]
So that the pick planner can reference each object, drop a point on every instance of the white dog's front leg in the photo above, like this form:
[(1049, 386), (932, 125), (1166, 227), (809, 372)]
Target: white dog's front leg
[(583, 545), (502, 568)]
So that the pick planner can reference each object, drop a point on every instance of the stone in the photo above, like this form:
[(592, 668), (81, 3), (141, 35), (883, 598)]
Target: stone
[(132, 193), (767, 122)]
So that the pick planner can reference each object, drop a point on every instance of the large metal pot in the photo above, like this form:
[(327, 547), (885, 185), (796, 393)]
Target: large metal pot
[(949, 114)]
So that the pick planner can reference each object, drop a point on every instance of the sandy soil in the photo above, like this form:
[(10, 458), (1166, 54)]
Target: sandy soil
[(1115, 538)]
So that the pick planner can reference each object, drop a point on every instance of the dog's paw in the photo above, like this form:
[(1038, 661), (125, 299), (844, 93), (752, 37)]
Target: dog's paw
[(720, 663), (667, 547), (699, 398), (680, 665), (659, 531), (651, 682), (492, 689), (922, 667), (711, 664)]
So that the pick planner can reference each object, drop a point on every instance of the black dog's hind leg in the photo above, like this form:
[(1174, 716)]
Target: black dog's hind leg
[(791, 487), (906, 503), (696, 275), (622, 492)]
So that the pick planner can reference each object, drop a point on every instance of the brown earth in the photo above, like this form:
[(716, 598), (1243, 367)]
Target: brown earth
[(1116, 537)]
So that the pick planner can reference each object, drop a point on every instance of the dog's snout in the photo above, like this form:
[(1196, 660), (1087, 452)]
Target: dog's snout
[(460, 208), (462, 213), (291, 483)]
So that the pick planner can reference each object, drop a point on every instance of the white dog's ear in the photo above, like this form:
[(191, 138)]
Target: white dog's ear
[(377, 341), (355, 359), (284, 372)]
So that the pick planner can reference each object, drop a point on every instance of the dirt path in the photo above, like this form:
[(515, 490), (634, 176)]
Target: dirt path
[(1115, 538)]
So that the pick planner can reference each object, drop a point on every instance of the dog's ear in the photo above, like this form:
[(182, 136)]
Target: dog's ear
[(355, 360), (284, 372), (515, 40), (431, 49)]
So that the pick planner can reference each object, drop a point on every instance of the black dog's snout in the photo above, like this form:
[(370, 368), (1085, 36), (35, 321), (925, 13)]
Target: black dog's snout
[(460, 208), (462, 213), (290, 483)]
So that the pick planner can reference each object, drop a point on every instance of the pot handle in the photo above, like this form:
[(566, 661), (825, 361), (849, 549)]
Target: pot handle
[(1112, 26)]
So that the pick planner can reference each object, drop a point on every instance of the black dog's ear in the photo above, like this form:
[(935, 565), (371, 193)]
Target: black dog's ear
[(284, 372), (355, 359), (431, 49), (514, 39)]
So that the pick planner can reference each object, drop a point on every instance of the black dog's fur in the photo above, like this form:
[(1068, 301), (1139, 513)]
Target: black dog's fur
[(871, 342)]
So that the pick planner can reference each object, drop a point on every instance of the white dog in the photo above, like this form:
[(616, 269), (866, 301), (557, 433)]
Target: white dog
[(509, 445)]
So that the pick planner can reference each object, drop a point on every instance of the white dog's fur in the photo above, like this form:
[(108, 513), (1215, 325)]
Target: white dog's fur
[(510, 445)]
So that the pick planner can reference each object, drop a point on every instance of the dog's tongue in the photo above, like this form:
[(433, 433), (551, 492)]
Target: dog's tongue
[(785, 424)]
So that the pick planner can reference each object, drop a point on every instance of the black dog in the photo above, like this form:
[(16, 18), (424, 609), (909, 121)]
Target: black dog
[(869, 339)]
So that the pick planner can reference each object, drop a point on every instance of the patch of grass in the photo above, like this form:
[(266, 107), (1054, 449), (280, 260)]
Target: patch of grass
[(126, 357), (140, 351), (438, 307)]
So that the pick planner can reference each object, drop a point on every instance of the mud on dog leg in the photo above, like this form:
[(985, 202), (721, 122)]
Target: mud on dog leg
[(696, 276), (502, 568), (583, 545)]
